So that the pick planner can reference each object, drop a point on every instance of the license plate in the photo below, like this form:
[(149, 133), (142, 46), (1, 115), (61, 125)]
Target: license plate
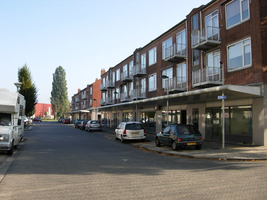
[(135, 133), (191, 143)]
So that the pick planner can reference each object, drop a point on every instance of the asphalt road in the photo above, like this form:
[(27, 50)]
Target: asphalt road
[(59, 162)]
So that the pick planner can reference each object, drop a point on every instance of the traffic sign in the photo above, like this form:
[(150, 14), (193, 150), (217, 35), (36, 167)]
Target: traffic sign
[(222, 97)]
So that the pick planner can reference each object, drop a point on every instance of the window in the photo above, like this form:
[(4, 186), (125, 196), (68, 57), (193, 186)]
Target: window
[(167, 48), (195, 22), (152, 81), (131, 68), (91, 90), (239, 55), (168, 72), (117, 74), (213, 63), (236, 12), (143, 85), (212, 26), (181, 73), (152, 56), (113, 77), (195, 57), (181, 42), (104, 82), (143, 61)]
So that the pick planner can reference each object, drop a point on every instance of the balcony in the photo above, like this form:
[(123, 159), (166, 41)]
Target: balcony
[(103, 87), (175, 53), (77, 99), (110, 101), (206, 39), (176, 84), (139, 70), (126, 77), (139, 94), (208, 77), (125, 97), (110, 84), (84, 96), (103, 102)]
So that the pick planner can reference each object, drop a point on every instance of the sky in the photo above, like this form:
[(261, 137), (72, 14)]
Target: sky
[(82, 36)]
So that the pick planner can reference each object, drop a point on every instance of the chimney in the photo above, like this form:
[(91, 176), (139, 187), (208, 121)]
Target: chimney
[(79, 90), (103, 71)]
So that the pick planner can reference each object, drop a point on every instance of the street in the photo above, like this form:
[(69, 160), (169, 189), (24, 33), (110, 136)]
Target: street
[(57, 161)]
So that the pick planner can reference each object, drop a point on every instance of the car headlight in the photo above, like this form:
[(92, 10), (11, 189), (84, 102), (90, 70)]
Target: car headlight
[(4, 138)]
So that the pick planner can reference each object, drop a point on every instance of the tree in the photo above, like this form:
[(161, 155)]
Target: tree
[(27, 89), (59, 93)]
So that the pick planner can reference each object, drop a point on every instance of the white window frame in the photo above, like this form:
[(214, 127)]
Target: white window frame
[(181, 67), (143, 61), (168, 72), (240, 12), (152, 56), (165, 45), (244, 43), (118, 75), (152, 79), (180, 46), (143, 85)]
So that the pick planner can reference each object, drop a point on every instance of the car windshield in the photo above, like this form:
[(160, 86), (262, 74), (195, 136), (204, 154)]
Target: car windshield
[(134, 126), (5, 119), (187, 129)]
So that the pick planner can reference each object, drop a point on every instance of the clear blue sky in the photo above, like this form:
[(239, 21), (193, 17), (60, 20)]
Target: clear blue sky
[(82, 36)]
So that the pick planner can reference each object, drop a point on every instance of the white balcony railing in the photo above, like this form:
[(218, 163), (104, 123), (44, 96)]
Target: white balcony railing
[(209, 35), (139, 70), (175, 52), (176, 84), (209, 75)]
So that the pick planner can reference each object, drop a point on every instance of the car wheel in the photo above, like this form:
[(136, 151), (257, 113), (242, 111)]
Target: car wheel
[(157, 142), (10, 152), (198, 147), (174, 146)]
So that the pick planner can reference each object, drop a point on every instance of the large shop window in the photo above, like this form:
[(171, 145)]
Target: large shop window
[(236, 12), (239, 55)]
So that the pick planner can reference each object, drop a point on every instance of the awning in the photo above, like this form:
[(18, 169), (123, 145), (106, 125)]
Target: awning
[(196, 96)]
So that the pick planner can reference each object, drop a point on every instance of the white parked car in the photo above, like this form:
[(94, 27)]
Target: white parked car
[(130, 131)]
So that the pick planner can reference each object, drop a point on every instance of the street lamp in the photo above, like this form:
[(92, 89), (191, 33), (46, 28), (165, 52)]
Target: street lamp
[(116, 101), (96, 109), (18, 85), (166, 77)]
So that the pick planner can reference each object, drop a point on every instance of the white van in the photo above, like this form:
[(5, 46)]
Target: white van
[(12, 109)]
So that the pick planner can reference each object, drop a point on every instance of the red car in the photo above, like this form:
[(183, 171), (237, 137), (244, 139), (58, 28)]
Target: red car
[(66, 121), (37, 119)]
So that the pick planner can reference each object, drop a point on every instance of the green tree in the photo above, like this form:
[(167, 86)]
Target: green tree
[(27, 89), (59, 93)]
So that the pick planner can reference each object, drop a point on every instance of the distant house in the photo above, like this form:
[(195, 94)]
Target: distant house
[(44, 110)]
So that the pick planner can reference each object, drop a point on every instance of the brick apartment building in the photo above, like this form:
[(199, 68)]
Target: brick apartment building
[(44, 110), (208, 70)]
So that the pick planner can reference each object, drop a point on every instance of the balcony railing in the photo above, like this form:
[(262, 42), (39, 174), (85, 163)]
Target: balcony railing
[(126, 97), (206, 38), (111, 84), (103, 87), (175, 53), (139, 70), (126, 76), (139, 94), (110, 101), (176, 84), (207, 77), (103, 102)]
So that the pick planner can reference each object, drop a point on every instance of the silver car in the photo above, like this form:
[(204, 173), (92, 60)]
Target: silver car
[(93, 125), (130, 131)]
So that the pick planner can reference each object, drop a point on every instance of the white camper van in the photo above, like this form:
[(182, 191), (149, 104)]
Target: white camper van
[(12, 109)]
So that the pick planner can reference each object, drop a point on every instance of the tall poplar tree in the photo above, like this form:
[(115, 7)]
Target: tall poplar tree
[(59, 93), (27, 89)]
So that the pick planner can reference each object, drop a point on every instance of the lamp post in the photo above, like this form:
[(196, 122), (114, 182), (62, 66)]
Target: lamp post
[(166, 77), (116, 101), (18, 85), (96, 109)]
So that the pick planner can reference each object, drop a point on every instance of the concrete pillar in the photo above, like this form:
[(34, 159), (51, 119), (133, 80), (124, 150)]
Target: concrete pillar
[(158, 121)]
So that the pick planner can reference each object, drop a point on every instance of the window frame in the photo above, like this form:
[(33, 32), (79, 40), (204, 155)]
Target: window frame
[(243, 57), (240, 12), (166, 44), (154, 76), (152, 56)]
